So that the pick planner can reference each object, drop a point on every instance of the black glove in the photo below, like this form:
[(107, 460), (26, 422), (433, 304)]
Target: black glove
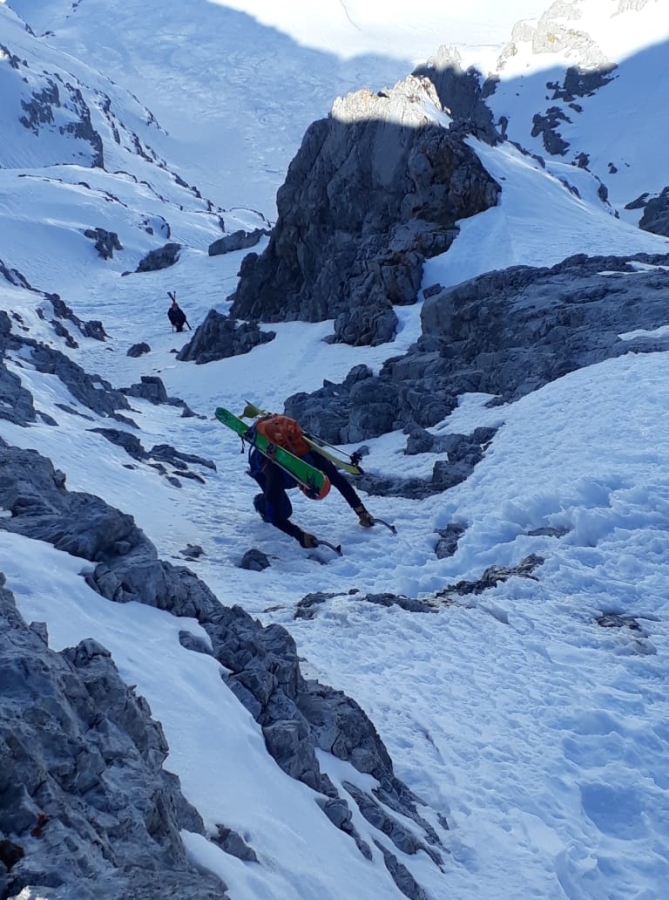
[(308, 540)]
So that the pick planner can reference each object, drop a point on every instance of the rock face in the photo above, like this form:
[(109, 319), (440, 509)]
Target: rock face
[(655, 216), (81, 769), (374, 190), (297, 717), (58, 108), (506, 333), (92, 391), (510, 332), (238, 240), (462, 92), (220, 336), (161, 258)]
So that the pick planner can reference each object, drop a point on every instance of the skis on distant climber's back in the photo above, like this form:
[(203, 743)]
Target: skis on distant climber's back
[(311, 480), (350, 465)]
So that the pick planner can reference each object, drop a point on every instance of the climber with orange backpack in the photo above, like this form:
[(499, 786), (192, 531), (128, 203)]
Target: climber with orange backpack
[(273, 504)]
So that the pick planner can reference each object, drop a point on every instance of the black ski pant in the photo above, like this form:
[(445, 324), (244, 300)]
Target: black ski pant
[(274, 504)]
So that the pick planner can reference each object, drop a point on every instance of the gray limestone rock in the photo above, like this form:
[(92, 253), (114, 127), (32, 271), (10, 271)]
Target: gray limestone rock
[(130, 442), (16, 403), (58, 108), (461, 92), (161, 258), (105, 241), (255, 560), (494, 575), (297, 715), (91, 328), (655, 216), (138, 349), (505, 333), (374, 190), (90, 390), (234, 844), (238, 240), (401, 875), (547, 125), (150, 388), (220, 337), (448, 540), (85, 806)]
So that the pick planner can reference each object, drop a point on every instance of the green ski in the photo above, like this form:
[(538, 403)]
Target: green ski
[(311, 480), (251, 411), (340, 463)]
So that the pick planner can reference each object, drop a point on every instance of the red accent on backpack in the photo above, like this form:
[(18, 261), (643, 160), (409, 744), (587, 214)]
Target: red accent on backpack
[(284, 432)]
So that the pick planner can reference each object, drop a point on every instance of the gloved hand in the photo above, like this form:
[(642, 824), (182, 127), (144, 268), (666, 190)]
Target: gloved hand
[(365, 518), (308, 540)]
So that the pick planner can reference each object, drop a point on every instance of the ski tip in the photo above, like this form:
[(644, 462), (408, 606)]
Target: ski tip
[(314, 493)]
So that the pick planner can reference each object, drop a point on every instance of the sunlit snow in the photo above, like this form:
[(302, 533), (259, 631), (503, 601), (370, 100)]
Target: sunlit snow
[(539, 735)]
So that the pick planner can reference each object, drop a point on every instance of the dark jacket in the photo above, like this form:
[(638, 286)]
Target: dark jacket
[(177, 316)]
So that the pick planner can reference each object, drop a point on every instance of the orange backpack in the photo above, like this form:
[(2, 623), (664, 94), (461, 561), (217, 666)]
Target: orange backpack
[(284, 432)]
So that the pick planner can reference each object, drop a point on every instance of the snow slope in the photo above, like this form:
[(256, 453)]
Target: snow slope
[(540, 735), (621, 126), (240, 81)]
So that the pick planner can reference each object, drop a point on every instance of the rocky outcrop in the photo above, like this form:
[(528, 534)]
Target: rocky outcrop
[(159, 456), (461, 92), (91, 391), (51, 305), (505, 333), (579, 82), (493, 576), (138, 349), (547, 125), (238, 240), (105, 241), (297, 715), (655, 216), (16, 403), (59, 108), (92, 328), (161, 258), (556, 31), (510, 332), (86, 808), (374, 190), (151, 388), (219, 337)]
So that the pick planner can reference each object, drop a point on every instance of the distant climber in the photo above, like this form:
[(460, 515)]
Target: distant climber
[(274, 505), (175, 313)]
